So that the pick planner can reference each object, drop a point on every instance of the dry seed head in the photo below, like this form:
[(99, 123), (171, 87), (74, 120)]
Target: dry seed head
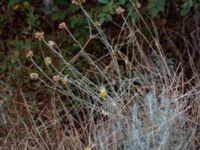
[(120, 10), (47, 61), (33, 76), (16, 7), (113, 82), (62, 25), (29, 54), (105, 113), (51, 44), (39, 35), (64, 80), (78, 2), (98, 24), (56, 78), (137, 4)]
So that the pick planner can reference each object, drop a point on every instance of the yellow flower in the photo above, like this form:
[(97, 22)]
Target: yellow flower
[(102, 92), (26, 5), (87, 148)]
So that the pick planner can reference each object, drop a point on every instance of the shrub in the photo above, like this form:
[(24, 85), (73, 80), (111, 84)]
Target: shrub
[(130, 98)]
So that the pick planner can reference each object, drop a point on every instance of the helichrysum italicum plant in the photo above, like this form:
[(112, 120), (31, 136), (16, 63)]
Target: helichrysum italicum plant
[(160, 127), (135, 120)]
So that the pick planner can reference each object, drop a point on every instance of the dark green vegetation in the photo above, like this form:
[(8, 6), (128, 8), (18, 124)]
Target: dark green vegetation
[(21, 18), (165, 38)]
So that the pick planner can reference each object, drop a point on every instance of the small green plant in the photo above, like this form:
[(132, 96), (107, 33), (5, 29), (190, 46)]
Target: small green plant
[(32, 20), (156, 6), (186, 6), (105, 12)]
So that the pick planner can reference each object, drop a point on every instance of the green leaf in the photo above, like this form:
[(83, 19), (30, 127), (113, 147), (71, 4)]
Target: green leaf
[(109, 17), (122, 2), (187, 6), (12, 2), (185, 10), (103, 1), (156, 6), (58, 15)]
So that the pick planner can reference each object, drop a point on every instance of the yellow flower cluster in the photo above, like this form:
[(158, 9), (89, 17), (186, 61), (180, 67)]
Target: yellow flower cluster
[(87, 148), (102, 92)]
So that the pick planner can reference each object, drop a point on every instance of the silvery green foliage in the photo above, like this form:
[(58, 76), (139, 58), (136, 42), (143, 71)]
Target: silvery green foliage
[(156, 125), (48, 7)]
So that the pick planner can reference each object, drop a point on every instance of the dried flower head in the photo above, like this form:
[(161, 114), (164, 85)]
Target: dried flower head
[(39, 35), (98, 24), (78, 2), (29, 54), (137, 4), (103, 92), (47, 61), (105, 113), (64, 80), (33, 76), (51, 44), (120, 10), (87, 148), (56, 78), (16, 7), (62, 25)]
